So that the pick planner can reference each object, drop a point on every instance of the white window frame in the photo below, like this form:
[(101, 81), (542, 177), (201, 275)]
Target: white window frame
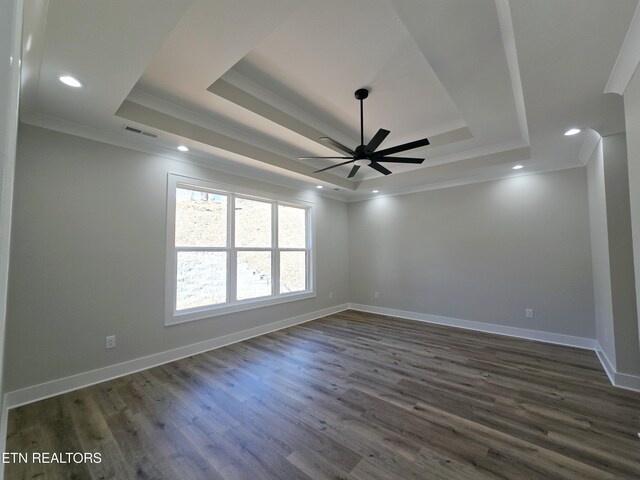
[(172, 316)]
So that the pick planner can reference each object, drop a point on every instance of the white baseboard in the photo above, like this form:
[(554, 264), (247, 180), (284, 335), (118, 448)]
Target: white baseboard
[(621, 380), (547, 337), (608, 367), (3, 433), (56, 387), (628, 382), (617, 379)]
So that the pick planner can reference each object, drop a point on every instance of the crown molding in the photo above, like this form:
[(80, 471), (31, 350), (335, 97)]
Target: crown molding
[(589, 144), (209, 161), (628, 58)]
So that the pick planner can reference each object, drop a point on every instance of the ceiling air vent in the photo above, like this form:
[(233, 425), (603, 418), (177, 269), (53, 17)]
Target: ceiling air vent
[(141, 132)]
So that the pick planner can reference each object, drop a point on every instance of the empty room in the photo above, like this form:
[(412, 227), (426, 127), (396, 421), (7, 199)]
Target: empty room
[(319, 239)]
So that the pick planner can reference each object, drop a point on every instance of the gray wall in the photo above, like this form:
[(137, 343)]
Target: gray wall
[(603, 302), (481, 252), (632, 121), (89, 246), (623, 294), (612, 251), (88, 253)]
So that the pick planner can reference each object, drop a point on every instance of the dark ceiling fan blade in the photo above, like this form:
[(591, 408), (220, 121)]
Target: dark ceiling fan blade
[(404, 146), (377, 139), (338, 145), (353, 171), (380, 168), (336, 165), (314, 158), (400, 160)]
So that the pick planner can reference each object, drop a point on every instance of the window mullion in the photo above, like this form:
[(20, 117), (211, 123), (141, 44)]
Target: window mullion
[(275, 255), (232, 252), (309, 242), (200, 249), (232, 265)]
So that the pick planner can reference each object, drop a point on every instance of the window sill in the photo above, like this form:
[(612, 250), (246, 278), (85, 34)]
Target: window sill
[(195, 314)]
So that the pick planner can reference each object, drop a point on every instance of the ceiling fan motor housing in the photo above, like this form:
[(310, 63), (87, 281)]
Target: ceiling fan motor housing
[(362, 93)]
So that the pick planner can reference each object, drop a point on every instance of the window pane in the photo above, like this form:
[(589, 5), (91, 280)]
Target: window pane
[(201, 219), (253, 223), (202, 279), (291, 227), (254, 274), (293, 272)]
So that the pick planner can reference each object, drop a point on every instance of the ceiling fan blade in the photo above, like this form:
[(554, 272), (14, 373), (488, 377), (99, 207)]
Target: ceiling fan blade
[(404, 146), (338, 145), (333, 166), (314, 158), (400, 160), (353, 171), (377, 139), (380, 168)]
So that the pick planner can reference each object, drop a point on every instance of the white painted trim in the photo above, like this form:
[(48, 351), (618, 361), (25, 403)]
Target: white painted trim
[(463, 182), (232, 304), (591, 140), (606, 363), (215, 162), (628, 382), (4, 425), (266, 176), (85, 379), (10, 77), (547, 337), (628, 58), (3, 430), (617, 379)]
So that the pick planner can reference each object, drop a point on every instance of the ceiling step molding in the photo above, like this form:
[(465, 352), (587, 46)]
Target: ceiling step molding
[(509, 41), (166, 123)]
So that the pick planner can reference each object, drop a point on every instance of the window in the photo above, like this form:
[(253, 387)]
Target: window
[(233, 250)]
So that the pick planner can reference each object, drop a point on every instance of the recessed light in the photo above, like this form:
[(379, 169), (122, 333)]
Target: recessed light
[(319, 187), (517, 167), (70, 81), (182, 148), (376, 191), (572, 131)]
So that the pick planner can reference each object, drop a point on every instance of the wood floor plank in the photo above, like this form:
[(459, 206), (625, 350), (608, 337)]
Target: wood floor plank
[(350, 396)]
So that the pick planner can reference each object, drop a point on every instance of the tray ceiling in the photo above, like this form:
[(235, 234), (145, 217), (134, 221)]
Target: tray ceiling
[(251, 85)]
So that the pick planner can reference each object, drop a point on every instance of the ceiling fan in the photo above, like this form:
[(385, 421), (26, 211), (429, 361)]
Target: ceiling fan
[(367, 154)]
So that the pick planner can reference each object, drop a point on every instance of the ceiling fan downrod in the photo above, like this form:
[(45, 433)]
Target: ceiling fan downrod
[(361, 94)]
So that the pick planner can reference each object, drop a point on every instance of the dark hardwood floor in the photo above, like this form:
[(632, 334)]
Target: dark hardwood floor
[(350, 396)]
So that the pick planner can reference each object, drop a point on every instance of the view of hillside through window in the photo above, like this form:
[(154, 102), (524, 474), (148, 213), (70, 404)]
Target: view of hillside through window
[(292, 234), (205, 248)]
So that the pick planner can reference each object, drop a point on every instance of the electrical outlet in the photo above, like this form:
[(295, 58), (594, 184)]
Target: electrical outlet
[(376, 294), (330, 295), (528, 312), (111, 341)]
